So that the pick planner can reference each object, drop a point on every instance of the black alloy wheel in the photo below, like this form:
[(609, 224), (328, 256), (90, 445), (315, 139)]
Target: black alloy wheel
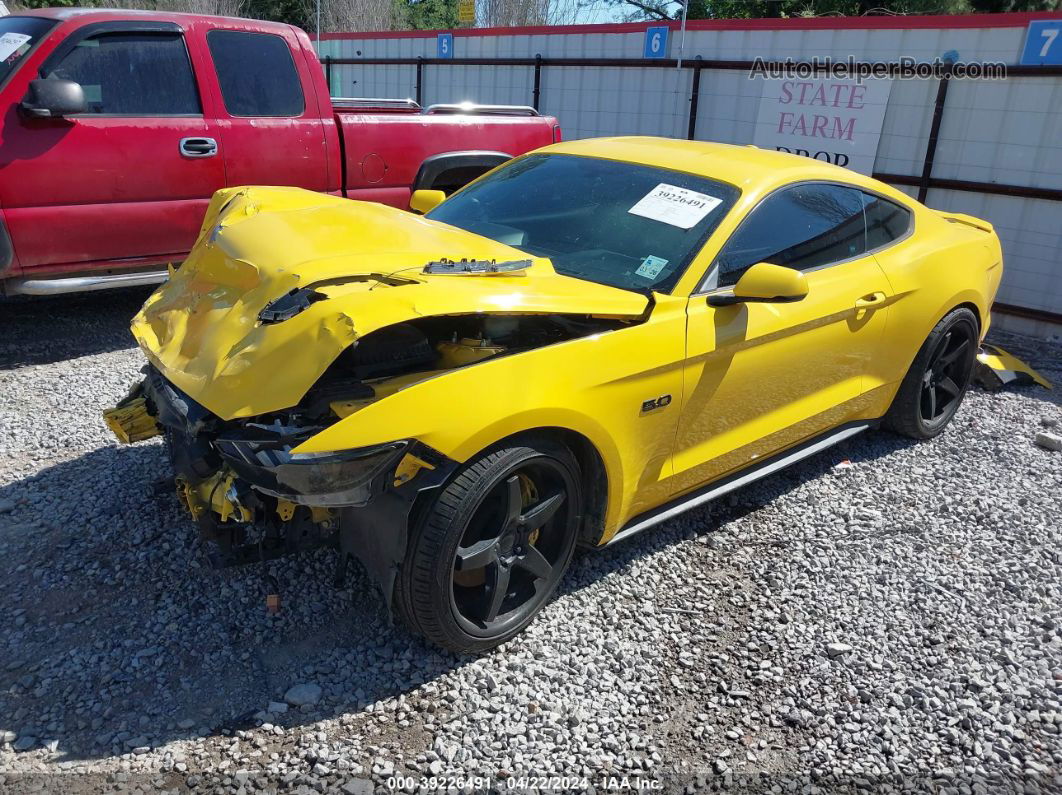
[(944, 373), (493, 548), (936, 383)]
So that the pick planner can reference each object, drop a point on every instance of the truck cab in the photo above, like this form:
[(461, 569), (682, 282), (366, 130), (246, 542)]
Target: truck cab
[(118, 127)]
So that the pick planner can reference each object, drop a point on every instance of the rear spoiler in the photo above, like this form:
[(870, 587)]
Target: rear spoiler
[(967, 220)]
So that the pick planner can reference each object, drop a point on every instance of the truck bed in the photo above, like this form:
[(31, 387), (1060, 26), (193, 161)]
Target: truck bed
[(390, 146)]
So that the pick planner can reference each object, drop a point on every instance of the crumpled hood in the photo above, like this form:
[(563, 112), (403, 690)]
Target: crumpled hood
[(202, 330)]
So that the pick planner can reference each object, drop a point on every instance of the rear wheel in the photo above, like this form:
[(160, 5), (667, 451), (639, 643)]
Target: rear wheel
[(492, 549), (934, 387)]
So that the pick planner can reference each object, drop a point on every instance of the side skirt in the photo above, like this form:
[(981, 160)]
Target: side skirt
[(735, 481)]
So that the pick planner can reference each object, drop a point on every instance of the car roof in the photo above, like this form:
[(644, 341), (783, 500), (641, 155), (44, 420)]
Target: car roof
[(103, 14), (744, 166)]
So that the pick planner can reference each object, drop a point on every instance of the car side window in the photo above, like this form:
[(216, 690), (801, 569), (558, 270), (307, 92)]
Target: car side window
[(132, 74), (256, 73), (802, 227), (886, 221)]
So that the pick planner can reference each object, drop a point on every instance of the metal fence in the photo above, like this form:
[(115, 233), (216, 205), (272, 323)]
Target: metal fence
[(538, 75)]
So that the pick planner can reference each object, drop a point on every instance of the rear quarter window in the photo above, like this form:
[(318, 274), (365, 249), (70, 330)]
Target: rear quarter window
[(887, 221), (256, 73)]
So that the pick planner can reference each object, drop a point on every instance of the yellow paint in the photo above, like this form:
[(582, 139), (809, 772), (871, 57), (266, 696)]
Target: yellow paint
[(458, 354), (213, 494), (130, 421), (285, 510), (408, 468), (424, 200), (743, 381), (767, 281)]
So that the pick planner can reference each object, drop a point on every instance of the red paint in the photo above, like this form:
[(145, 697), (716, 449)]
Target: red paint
[(107, 193), (1018, 19)]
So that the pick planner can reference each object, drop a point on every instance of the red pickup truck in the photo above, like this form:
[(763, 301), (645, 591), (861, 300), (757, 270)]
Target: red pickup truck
[(119, 125)]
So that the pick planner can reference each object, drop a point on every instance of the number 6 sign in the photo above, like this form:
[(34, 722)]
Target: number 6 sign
[(1043, 43), (655, 42)]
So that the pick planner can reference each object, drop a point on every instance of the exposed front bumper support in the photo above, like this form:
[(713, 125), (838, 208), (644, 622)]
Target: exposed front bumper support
[(253, 500)]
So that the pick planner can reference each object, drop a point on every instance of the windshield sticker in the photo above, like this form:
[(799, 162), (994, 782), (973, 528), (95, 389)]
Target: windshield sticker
[(651, 267), (676, 206), (9, 42)]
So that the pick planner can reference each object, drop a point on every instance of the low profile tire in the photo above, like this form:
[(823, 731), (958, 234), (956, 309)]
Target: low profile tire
[(934, 387), (492, 549)]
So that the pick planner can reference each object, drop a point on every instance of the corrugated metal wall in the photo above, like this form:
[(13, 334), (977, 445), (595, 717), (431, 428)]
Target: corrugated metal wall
[(1008, 132)]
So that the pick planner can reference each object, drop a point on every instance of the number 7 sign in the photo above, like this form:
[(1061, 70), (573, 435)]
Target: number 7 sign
[(1043, 43)]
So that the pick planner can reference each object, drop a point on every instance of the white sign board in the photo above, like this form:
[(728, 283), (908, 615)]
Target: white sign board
[(673, 205), (9, 42), (831, 119)]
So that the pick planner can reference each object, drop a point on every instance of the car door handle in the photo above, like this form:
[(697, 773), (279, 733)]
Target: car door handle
[(198, 147), (874, 299)]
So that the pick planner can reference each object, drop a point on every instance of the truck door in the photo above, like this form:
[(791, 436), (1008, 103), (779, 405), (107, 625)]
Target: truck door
[(269, 117), (130, 179)]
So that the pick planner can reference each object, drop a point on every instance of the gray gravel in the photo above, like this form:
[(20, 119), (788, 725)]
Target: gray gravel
[(885, 615)]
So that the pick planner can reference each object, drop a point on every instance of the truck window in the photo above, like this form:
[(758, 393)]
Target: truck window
[(18, 35), (132, 74), (256, 73)]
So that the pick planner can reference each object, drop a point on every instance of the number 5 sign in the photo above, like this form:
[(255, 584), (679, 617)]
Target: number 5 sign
[(655, 43), (1043, 43), (444, 47)]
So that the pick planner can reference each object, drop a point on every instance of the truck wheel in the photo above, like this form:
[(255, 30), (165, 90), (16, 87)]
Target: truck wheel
[(492, 549), (934, 387)]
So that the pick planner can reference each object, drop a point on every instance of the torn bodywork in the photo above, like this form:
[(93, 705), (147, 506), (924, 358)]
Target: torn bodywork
[(252, 358), (996, 368)]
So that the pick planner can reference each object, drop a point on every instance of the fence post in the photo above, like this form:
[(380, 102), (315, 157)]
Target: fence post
[(420, 75), (328, 72), (695, 95), (537, 93), (934, 132)]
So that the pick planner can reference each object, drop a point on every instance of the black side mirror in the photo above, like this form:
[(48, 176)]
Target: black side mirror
[(53, 98)]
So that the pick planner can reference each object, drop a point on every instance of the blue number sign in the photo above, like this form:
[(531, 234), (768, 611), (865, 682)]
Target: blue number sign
[(445, 45), (655, 42), (1043, 43)]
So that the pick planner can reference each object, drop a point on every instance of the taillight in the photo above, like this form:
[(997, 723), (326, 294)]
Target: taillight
[(556, 134)]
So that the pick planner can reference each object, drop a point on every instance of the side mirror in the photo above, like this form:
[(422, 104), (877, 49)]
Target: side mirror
[(53, 98), (423, 201), (766, 284)]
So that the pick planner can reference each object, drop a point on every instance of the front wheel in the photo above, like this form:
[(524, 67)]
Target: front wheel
[(492, 548), (934, 387)]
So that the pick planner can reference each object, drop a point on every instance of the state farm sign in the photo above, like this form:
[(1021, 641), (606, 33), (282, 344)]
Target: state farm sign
[(833, 119)]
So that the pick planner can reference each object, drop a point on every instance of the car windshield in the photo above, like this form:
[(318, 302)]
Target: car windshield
[(17, 37), (610, 222)]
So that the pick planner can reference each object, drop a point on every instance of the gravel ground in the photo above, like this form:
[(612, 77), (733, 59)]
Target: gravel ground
[(886, 614)]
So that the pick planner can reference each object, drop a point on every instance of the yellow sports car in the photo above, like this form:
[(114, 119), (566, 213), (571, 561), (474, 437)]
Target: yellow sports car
[(575, 347)]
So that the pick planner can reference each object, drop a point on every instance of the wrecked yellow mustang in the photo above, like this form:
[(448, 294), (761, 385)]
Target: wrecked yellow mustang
[(577, 346)]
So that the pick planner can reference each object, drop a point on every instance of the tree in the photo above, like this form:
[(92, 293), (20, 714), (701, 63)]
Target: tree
[(729, 9)]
